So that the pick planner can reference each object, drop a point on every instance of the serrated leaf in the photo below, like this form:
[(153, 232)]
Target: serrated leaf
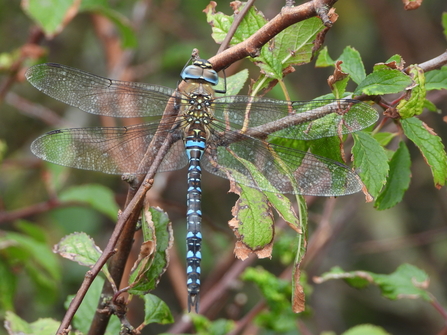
[(323, 59), (293, 46), (156, 311), (221, 23), (436, 79), (384, 81), (83, 318), (148, 271), (99, 197), (366, 330), (52, 15), (338, 81), (371, 161), (79, 247), (252, 223), (395, 61), (281, 203), (398, 179), (406, 282), (430, 146), (17, 326), (352, 64), (414, 105)]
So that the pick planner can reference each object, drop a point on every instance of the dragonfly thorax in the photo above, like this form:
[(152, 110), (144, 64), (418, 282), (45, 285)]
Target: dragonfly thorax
[(197, 103)]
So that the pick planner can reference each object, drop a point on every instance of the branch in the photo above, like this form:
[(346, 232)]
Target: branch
[(287, 17)]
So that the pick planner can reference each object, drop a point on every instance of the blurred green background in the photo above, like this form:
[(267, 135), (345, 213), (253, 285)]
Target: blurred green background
[(415, 231)]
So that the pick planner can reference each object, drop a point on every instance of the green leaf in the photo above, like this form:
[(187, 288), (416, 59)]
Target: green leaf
[(398, 179), (235, 83), (384, 138), (430, 146), (406, 282), (395, 60), (99, 197), (431, 106), (41, 258), (277, 292), (323, 59), (253, 220), (156, 311), (384, 81), (371, 161), (148, 268), (51, 15), (221, 24), (366, 330), (17, 326), (293, 46), (8, 287), (352, 64), (415, 103), (80, 248), (436, 79), (327, 147), (204, 326), (88, 308), (36, 258)]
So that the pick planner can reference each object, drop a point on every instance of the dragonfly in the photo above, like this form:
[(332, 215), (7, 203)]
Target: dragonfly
[(226, 135)]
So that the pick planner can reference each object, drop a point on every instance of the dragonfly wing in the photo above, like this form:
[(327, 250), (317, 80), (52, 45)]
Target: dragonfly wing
[(109, 150), (304, 120), (286, 170), (98, 95)]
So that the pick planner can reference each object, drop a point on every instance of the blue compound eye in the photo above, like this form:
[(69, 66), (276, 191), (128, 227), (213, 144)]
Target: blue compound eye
[(200, 70)]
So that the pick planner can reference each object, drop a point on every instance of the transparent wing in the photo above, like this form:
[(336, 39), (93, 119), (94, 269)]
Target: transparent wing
[(98, 95), (304, 120), (286, 169), (109, 150)]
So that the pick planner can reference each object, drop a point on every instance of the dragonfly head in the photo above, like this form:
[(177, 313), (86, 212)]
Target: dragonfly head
[(201, 69)]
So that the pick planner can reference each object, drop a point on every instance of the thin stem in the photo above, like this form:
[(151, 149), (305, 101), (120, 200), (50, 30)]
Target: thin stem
[(236, 22)]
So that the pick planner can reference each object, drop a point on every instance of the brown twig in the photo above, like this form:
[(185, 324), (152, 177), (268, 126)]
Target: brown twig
[(34, 209), (34, 110), (252, 46), (434, 63)]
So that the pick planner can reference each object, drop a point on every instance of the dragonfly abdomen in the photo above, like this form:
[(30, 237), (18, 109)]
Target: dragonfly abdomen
[(195, 146)]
